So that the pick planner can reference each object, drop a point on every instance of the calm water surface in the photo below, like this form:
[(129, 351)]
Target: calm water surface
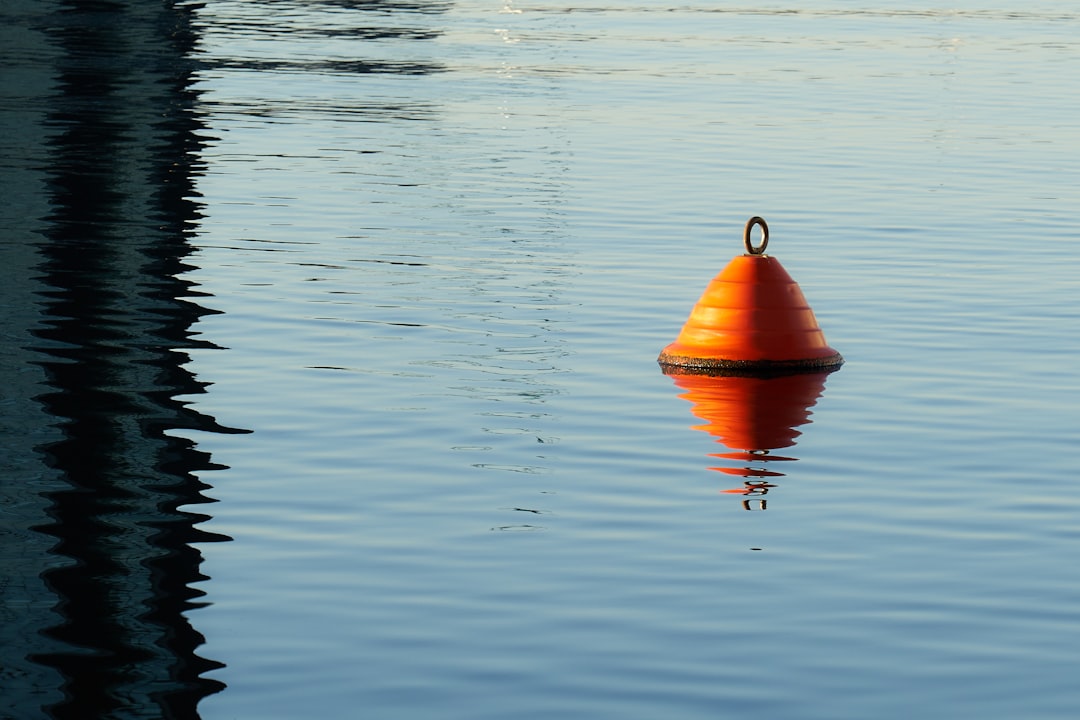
[(430, 253)]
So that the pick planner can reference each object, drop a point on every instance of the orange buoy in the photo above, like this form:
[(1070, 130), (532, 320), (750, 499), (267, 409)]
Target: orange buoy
[(752, 318)]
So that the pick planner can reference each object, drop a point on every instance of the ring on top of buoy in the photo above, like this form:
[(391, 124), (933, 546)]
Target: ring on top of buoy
[(748, 244), (751, 319)]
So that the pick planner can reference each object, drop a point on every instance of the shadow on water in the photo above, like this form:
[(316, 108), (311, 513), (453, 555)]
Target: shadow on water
[(105, 325), (752, 416)]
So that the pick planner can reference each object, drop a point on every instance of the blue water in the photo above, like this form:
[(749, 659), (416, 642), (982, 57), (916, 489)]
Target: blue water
[(443, 244)]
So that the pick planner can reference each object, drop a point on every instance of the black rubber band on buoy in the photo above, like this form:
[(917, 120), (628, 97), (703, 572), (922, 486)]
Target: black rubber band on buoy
[(671, 364), (760, 250)]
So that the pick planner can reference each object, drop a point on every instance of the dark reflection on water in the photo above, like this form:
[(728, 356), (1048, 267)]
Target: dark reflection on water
[(752, 417), (367, 22), (339, 66), (302, 40), (110, 321)]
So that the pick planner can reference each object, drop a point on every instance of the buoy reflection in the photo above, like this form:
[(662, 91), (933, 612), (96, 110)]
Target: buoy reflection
[(752, 416)]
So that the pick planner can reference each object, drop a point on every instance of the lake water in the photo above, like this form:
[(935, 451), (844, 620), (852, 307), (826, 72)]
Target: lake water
[(330, 371)]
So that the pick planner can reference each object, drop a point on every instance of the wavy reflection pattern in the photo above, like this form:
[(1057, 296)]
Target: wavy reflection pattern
[(108, 147), (752, 417)]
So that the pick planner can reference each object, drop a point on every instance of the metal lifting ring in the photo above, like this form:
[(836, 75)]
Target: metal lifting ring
[(760, 250)]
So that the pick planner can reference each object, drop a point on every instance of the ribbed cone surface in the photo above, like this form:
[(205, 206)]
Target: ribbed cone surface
[(752, 315), (752, 413)]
